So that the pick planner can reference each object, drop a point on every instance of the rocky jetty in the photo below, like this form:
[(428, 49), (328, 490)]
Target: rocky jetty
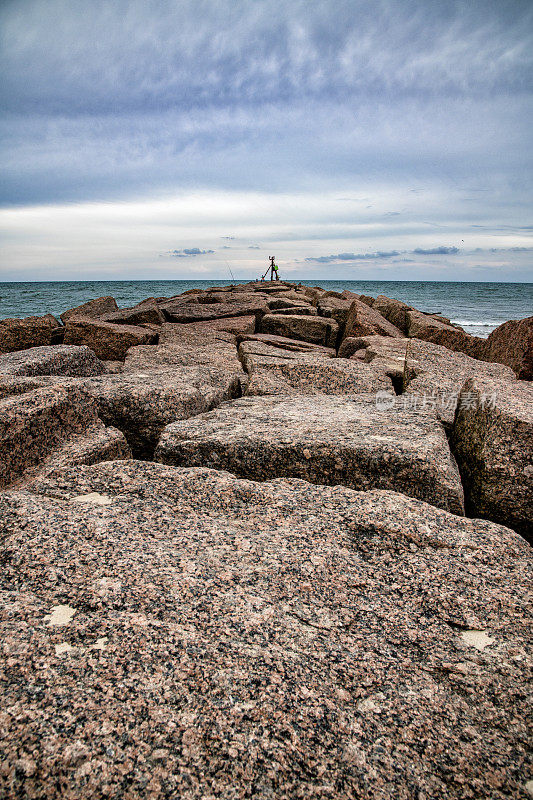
[(265, 541)]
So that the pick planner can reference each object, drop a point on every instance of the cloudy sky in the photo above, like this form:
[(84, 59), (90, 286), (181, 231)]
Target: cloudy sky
[(379, 139)]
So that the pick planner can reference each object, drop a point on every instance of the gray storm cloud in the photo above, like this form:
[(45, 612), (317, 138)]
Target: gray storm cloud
[(142, 100)]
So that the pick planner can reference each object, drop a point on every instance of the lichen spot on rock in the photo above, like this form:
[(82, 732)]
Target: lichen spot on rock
[(63, 649), (94, 498), (61, 615), (477, 639)]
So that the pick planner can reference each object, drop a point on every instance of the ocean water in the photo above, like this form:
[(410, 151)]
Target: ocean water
[(478, 307)]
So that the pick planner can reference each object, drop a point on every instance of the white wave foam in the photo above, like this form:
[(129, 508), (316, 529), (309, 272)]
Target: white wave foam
[(478, 324)]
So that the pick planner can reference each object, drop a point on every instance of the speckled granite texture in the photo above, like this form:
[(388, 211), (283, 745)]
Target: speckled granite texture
[(284, 343), (142, 403), (176, 632), (337, 308), (55, 425), (147, 312), (52, 360), (20, 334), (427, 371), (493, 439), (323, 439), (182, 634), (277, 371), (363, 320), (393, 310), (512, 344), (317, 330), (431, 329), (92, 309), (110, 342), (236, 306)]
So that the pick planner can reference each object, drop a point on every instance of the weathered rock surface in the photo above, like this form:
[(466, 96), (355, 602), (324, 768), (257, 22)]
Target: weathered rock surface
[(364, 320), (241, 305), (141, 402), (426, 374), (393, 310), (58, 360), (512, 344), (316, 330), (284, 302), (336, 308), (92, 309), (224, 638), (21, 334), (275, 371), (283, 343), (147, 312), (493, 439), (53, 426), (303, 309), (324, 439), (432, 329), (234, 325), (110, 342), (187, 345)]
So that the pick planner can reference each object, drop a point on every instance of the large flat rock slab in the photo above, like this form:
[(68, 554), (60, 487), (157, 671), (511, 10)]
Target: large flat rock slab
[(276, 371), (201, 309), (110, 342), (284, 343), (428, 375), (493, 439), (431, 328), (222, 638), (53, 426), (316, 330), (53, 360), (323, 439)]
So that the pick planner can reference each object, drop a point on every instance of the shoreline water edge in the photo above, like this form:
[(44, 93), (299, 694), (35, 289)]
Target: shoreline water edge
[(478, 307)]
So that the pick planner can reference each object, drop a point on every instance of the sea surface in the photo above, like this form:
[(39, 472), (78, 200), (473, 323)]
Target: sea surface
[(478, 307)]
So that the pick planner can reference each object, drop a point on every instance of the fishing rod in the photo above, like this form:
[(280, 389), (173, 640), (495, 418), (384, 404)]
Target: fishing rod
[(230, 272)]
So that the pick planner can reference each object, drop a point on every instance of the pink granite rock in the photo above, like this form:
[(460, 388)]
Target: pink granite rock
[(337, 308), (325, 439), (147, 312), (59, 360), (425, 374), (276, 371), (174, 633), (316, 330), (283, 343), (110, 342), (55, 426), (512, 344), (363, 320), (432, 329), (21, 334), (92, 309), (393, 310), (492, 438), (239, 305)]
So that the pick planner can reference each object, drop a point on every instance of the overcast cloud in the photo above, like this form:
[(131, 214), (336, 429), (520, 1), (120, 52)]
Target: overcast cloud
[(134, 132)]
